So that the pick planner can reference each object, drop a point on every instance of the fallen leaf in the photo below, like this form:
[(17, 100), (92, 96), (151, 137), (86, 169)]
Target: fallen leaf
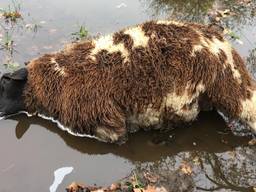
[(74, 187), (185, 168), (114, 187), (196, 160), (138, 190), (224, 13), (150, 177), (252, 142), (161, 189), (150, 188)]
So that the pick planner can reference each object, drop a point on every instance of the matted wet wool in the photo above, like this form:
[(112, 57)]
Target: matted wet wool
[(142, 76)]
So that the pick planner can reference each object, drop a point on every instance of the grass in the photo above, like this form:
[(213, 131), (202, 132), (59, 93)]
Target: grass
[(135, 183), (7, 42), (82, 33), (12, 12)]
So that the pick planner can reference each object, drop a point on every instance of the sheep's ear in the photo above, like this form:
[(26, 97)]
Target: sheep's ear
[(19, 75)]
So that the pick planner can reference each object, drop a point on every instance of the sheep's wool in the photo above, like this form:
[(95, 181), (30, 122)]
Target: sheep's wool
[(141, 76)]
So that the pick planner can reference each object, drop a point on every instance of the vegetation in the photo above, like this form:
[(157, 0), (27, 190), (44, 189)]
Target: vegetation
[(82, 33), (12, 13)]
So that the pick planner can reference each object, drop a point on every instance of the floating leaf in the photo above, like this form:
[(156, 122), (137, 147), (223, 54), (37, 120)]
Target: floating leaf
[(252, 142), (185, 168)]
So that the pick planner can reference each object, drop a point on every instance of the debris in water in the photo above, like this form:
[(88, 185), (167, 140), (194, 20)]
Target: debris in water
[(121, 5), (59, 175), (186, 169), (252, 142), (150, 177), (12, 13), (12, 16)]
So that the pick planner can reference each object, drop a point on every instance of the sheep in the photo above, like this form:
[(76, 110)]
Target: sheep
[(143, 76)]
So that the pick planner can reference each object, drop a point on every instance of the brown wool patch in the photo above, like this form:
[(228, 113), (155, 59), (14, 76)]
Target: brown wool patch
[(126, 39)]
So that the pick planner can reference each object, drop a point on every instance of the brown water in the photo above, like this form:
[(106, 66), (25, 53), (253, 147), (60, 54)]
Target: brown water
[(32, 148)]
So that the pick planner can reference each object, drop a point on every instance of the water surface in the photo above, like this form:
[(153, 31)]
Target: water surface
[(32, 148)]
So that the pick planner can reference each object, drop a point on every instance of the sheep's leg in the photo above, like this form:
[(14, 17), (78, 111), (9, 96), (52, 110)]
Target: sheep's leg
[(248, 111), (110, 122), (234, 98), (111, 135)]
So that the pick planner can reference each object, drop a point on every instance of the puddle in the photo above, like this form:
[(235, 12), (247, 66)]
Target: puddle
[(32, 148)]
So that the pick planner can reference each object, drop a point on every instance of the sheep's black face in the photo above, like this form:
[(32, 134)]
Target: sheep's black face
[(11, 89)]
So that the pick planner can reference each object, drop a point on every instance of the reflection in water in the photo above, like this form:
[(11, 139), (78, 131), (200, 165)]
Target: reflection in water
[(219, 160), (226, 171), (207, 134), (198, 11), (190, 10), (251, 62)]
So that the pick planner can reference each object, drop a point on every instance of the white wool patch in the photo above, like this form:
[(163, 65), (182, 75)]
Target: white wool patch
[(191, 114), (108, 134), (168, 22), (60, 70), (106, 43), (152, 117), (149, 117), (177, 102), (215, 46), (138, 36), (248, 113)]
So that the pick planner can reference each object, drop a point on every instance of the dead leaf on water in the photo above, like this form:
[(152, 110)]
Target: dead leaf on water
[(196, 160), (223, 13), (150, 177), (138, 190), (252, 142), (186, 169)]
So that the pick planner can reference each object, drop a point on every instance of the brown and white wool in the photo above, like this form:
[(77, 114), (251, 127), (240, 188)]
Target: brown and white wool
[(139, 77)]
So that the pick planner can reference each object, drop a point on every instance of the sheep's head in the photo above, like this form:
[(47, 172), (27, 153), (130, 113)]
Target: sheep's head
[(11, 92)]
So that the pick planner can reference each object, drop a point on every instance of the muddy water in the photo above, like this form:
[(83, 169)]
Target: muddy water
[(32, 148)]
